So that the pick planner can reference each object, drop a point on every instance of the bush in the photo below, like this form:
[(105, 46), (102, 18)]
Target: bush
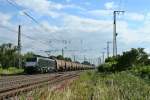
[(129, 59), (107, 67), (142, 71)]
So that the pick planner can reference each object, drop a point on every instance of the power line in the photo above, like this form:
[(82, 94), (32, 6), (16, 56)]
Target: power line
[(25, 13), (29, 37), (29, 16), (14, 4), (43, 42), (7, 28)]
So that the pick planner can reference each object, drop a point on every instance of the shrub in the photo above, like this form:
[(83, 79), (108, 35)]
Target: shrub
[(129, 59), (142, 71), (107, 67)]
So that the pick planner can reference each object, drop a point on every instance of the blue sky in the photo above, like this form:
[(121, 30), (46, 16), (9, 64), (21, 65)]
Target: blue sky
[(85, 24)]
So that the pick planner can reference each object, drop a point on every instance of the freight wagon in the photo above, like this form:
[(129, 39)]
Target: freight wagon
[(45, 65)]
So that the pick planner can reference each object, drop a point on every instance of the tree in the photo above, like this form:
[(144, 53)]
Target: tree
[(60, 57), (28, 55), (86, 63), (68, 59), (8, 55), (131, 58)]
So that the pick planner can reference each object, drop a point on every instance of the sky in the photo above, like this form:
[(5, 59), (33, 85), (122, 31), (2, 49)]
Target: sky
[(81, 27)]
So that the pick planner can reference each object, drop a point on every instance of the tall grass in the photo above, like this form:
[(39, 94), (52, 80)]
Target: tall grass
[(11, 70), (98, 86), (122, 86)]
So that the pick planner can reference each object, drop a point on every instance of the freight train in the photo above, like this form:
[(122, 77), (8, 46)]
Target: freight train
[(45, 65)]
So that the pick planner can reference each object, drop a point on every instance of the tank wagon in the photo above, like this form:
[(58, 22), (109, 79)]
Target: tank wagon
[(45, 65)]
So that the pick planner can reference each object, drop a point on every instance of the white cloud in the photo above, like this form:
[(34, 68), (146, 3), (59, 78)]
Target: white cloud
[(68, 0), (132, 36), (95, 31), (86, 25), (6, 33), (110, 5), (36, 5), (44, 6), (87, 3), (134, 16), (4, 18), (101, 12)]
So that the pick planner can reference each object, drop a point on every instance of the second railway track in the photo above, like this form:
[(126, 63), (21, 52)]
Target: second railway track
[(16, 85)]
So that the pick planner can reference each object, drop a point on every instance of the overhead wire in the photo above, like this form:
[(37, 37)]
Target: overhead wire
[(29, 37), (45, 29), (13, 3)]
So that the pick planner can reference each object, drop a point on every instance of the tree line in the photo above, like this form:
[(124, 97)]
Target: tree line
[(126, 61), (9, 56)]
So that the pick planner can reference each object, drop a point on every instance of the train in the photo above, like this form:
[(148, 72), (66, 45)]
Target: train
[(46, 65)]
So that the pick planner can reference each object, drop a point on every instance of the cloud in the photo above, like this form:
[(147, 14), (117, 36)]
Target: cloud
[(133, 16), (100, 13), (36, 5), (131, 36), (44, 6), (95, 32), (5, 21), (68, 0), (87, 3), (110, 5), (86, 25), (4, 18), (7, 34)]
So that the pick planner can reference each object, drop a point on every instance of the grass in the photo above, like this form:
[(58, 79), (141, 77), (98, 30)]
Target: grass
[(11, 70), (97, 86), (142, 71), (123, 86)]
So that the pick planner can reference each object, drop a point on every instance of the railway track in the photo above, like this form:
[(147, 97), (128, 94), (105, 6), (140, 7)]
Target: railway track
[(13, 86)]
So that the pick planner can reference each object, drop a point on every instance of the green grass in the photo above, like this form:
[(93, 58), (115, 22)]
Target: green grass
[(124, 86), (11, 70), (118, 86)]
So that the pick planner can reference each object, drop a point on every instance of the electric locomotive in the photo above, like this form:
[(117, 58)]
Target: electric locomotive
[(45, 65)]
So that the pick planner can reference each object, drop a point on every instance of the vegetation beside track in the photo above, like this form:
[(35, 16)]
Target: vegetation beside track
[(98, 86), (10, 71)]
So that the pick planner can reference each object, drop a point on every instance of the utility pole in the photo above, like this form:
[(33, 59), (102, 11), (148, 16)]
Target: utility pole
[(114, 33), (103, 55), (62, 52), (74, 57), (19, 47), (108, 42), (99, 61), (84, 58)]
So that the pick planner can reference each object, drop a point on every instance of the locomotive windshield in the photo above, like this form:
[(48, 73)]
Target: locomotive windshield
[(30, 62), (31, 59)]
